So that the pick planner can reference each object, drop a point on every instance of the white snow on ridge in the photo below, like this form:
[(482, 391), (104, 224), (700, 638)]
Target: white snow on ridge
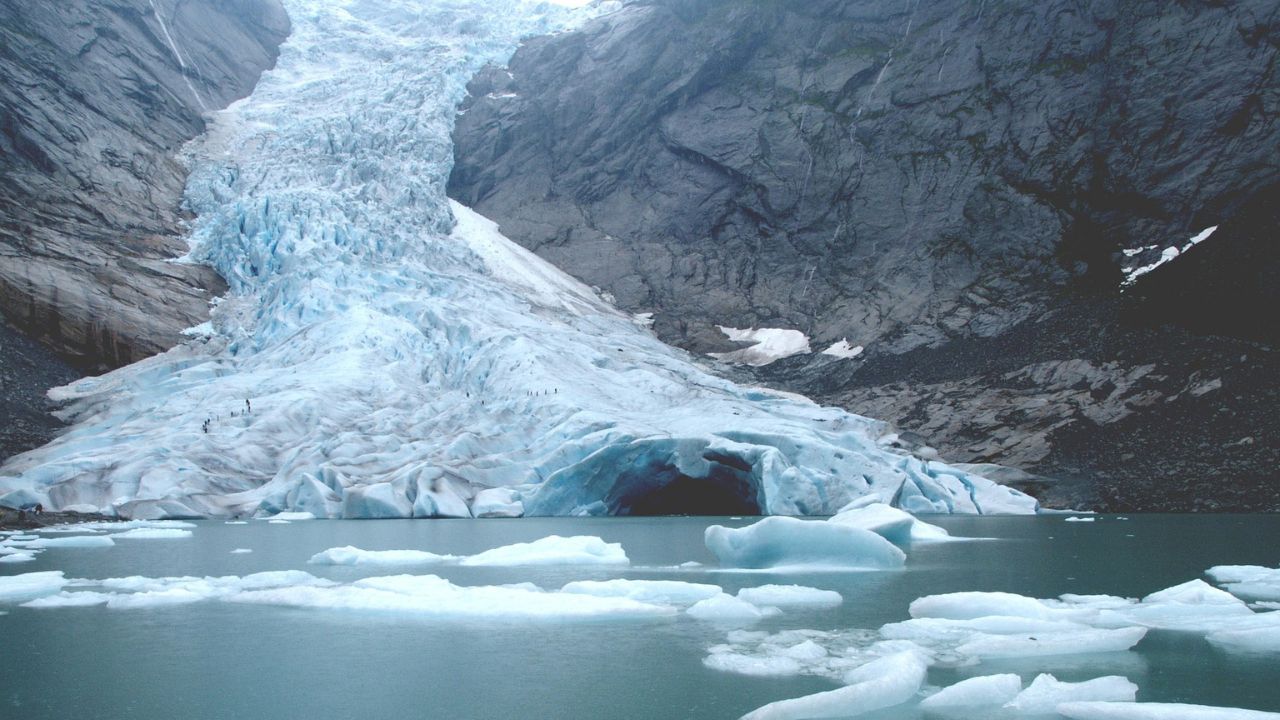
[(383, 353), (768, 345), (1131, 274), (843, 350)]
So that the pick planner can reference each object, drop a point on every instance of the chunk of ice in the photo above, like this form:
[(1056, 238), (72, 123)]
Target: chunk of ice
[(1156, 711), (553, 550), (892, 524), (153, 534), (984, 690), (787, 596), (781, 542), (349, 555), (1079, 642), (430, 596), (729, 609), (70, 541), (1045, 693), (882, 683), (669, 592), (27, 586)]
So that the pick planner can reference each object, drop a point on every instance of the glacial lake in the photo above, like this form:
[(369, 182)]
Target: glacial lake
[(228, 660)]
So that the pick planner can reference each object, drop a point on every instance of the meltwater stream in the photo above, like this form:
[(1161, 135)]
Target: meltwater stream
[(383, 354), (217, 659)]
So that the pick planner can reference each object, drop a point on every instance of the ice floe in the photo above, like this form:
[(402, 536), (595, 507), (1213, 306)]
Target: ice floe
[(790, 596), (882, 683), (349, 555), (153, 534), (430, 596), (669, 592), (726, 608), (783, 542), (890, 523), (1045, 693), (1248, 582), (976, 692), (27, 586), (1156, 711), (550, 550)]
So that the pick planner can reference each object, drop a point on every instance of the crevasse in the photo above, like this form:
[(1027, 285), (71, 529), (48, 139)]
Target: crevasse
[(385, 353)]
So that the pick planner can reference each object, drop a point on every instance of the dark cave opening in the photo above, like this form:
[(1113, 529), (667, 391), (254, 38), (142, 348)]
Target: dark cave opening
[(724, 491)]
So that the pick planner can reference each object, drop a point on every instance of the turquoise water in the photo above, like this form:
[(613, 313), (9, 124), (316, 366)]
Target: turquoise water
[(224, 660)]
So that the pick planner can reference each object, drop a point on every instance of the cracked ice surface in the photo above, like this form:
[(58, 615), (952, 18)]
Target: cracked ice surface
[(400, 355)]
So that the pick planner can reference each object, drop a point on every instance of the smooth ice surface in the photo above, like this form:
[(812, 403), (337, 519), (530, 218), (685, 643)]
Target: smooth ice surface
[(401, 356), (727, 608), (1249, 582), (17, 557), (553, 550), (153, 534), (970, 605), (1157, 711), (355, 556), (1079, 642), (70, 541), (891, 523), (16, 588), (789, 596), (1046, 692), (978, 691), (430, 596), (782, 542), (1259, 640), (669, 592), (881, 683)]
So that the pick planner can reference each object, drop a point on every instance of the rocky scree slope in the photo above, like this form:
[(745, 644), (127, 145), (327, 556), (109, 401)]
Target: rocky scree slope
[(97, 100), (951, 185)]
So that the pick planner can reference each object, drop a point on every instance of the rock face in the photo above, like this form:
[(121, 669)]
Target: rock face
[(950, 185), (97, 100)]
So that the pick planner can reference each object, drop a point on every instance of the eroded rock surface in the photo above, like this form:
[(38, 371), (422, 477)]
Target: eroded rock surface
[(919, 177)]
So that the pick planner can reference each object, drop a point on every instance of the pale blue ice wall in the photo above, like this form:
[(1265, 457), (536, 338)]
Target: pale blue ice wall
[(399, 366)]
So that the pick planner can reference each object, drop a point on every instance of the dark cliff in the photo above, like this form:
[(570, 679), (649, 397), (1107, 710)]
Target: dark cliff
[(951, 185), (98, 98)]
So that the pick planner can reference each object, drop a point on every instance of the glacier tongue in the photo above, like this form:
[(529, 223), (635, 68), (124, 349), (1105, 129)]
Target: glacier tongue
[(383, 353)]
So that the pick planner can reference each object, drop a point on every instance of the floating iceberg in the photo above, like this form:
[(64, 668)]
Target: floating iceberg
[(17, 588), (1248, 582), (668, 592), (382, 352), (882, 683), (729, 609), (1156, 711), (784, 542), (1046, 692), (429, 596), (550, 550), (349, 555), (976, 692), (894, 525), (153, 534), (553, 550), (790, 596)]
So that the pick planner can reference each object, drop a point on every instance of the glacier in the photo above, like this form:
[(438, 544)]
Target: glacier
[(383, 352)]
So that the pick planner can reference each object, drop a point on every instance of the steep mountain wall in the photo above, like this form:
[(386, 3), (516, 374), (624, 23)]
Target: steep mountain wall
[(921, 178), (98, 98)]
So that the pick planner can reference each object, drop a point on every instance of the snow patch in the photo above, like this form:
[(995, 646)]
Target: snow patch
[(767, 345)]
